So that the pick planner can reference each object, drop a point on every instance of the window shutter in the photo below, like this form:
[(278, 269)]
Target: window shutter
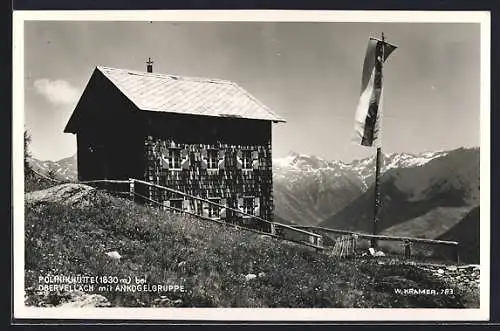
[(185, 205), (185, 164), (256, 204), (239, 161), (185, 159), (164, 162), (221, 164), (223, 210), (255, 164), (205, 208), (203, 159), (240, 202), (203, 164)]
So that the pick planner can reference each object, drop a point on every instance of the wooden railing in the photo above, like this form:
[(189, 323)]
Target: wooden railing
[(305, 235), (277, 230), (406, 240)]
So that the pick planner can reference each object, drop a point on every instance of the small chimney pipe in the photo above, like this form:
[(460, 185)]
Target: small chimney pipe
[(149, 65)]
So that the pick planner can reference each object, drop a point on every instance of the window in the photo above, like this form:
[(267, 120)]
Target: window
[(248, 204), (246, 159), (176, 203), (213, 210), (212, 159), (174, 159)]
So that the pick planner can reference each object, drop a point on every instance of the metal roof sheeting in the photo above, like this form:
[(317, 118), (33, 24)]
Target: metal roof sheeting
[(186, 95)]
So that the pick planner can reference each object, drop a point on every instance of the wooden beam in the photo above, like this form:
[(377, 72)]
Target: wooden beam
[(226, 207), (132, 181), (112, 181), (381, 237), (229, 224)]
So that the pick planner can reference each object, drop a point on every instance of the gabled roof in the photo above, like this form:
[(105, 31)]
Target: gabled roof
[(186, 95)]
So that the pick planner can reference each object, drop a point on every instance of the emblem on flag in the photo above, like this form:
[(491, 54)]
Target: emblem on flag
[(368, 117)]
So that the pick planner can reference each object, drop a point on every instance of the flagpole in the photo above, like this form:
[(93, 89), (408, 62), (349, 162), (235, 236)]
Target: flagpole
[(378, 163)]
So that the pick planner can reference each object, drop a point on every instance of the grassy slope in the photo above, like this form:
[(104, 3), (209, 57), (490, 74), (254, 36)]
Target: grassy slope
[(430, 225), (67, 240), (466, 233)]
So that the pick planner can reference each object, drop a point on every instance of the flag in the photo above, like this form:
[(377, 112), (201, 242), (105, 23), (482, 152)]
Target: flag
[(368, 117)]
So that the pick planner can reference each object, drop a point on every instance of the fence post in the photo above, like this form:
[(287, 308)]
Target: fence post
[(407, 249), (319, 244), (457, 257), (132, 189)]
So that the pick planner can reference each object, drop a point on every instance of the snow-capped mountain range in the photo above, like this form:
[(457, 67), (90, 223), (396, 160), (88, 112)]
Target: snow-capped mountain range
[(63, 169), (308, 189), (363, 168)]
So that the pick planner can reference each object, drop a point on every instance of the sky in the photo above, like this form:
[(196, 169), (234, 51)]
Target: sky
[(307, 72)]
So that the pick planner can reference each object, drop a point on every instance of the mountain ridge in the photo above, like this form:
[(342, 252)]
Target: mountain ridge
[(326, 187)]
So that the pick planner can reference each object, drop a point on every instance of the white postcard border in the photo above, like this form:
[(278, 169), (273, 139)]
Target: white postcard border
[(249, 314)]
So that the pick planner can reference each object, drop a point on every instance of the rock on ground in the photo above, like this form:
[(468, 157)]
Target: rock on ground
[(84, 300), (70, 194), (465, 276), (71, 299), (250, 277)]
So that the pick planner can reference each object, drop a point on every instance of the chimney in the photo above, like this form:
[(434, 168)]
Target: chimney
[(150, 65)]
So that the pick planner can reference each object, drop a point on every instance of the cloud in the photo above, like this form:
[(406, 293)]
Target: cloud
[(57, 92)]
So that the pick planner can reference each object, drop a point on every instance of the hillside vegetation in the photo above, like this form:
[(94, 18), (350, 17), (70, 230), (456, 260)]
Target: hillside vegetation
[(34, 181), (69, 229)]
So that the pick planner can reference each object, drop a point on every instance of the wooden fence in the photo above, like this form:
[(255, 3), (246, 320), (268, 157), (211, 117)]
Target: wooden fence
[(343, 242), (346, 236), (131, 188)]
